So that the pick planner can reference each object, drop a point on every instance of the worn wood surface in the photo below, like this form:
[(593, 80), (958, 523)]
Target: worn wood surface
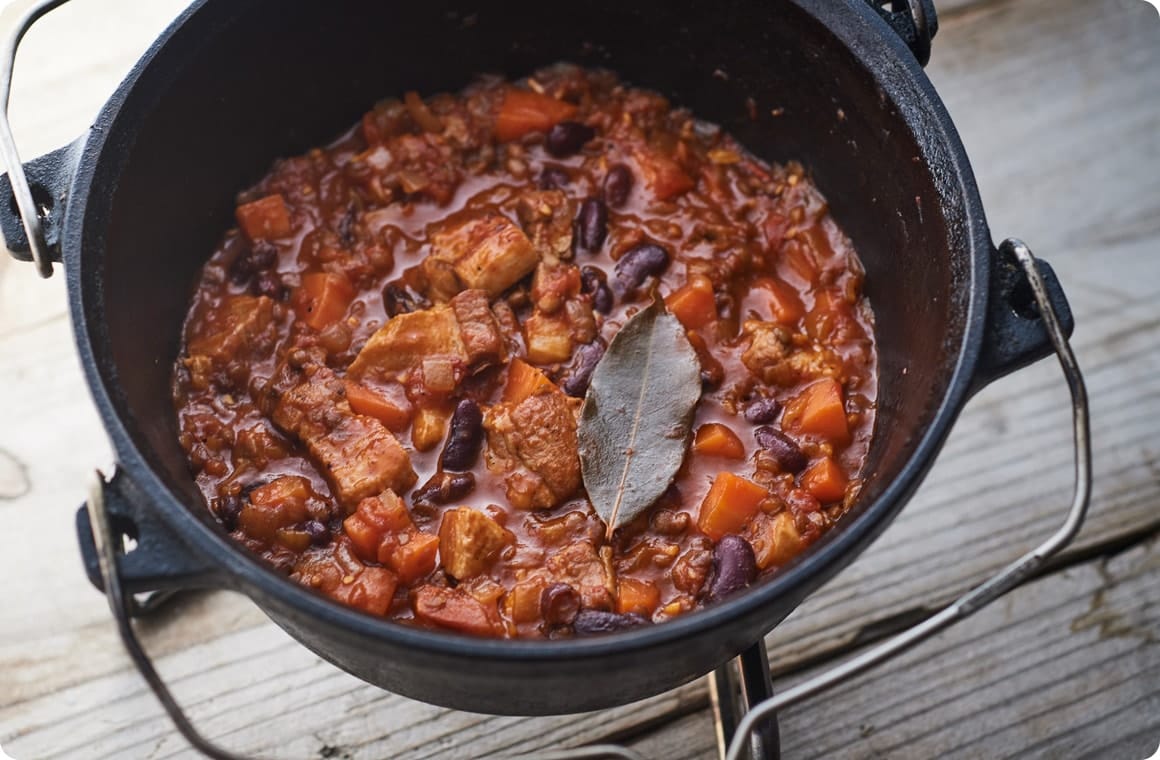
[(1058, 103)]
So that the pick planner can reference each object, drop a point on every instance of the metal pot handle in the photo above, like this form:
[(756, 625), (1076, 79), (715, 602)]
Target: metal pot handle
[(17, 18)]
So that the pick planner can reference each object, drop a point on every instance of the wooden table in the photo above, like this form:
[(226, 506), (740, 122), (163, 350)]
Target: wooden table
[(1058, 102)]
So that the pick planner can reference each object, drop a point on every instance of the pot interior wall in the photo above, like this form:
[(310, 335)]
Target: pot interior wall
[(246, 82)]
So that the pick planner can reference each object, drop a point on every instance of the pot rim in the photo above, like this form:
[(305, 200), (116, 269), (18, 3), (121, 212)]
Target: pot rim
[(901, 80)]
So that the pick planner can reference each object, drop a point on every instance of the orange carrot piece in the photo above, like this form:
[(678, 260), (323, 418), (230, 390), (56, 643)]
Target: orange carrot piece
[(364, 536), (265, 218), (825, 480), (784, 304), (394, 411), (525, 381), (454, 608), (693, 303), (730, 503), (819, 410), (524, 111), (279, 504), (322, 298), (636, 596), (415, 558), (717, 440), (371, 590)]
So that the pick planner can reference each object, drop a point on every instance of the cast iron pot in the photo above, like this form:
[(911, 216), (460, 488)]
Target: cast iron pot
[(134, 207)]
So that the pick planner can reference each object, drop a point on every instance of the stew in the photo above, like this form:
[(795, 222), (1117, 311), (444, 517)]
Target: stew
[(384, 363)]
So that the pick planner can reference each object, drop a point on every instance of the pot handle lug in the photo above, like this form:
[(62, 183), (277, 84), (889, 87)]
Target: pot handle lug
[(1016, 333), (148, 557), (37, 190), (915, 21)]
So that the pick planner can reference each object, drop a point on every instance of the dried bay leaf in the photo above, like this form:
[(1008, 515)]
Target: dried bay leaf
[(637, 415)]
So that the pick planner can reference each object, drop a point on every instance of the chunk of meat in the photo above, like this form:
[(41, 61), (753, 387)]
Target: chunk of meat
[(454, 608), (342, 575), (772, 357), (583, 568), (469, 541), (239, 328), (464, 331), (546, 216), (357, 454), (534, 442), (488, 252)]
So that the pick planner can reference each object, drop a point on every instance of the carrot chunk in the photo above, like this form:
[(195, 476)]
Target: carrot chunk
[(393, 410), (415, 558), (279, 504), (636, 596), (693, 303), (819, 410), (322, 298), (523, 112), (454, 608), (524, 381), (376, 520), (730, 503), (784, 304), (717, 440), (825, 480), (265, 218)]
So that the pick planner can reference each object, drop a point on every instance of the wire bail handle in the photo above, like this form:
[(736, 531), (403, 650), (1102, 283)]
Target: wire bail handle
[(17, 18)]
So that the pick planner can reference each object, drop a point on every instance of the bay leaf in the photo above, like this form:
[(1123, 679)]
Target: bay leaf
[(635, 421)]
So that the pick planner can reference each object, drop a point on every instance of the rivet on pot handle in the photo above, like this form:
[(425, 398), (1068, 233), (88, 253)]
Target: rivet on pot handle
[(1007, 579), (16, 19)]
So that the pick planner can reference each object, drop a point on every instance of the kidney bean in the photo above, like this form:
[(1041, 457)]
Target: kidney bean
[(617, 185), (398, 299), (591, 225), (559, 604), (228, 509), (599, 621), (592, 281), (784, 450), (762, 410), (580, 373), (465, 438), (319, 533), (553, 178), (735, 567), (568, 137), (640, 263), (444, 488)]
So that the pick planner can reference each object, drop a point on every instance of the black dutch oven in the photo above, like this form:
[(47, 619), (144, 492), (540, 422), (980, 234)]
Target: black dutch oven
[(133, 208)]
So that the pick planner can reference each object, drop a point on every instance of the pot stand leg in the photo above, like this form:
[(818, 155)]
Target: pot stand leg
[(734, 688)]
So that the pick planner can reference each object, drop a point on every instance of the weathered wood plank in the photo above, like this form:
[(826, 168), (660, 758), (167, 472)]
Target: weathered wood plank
[(1065, 175), (1065, 667)]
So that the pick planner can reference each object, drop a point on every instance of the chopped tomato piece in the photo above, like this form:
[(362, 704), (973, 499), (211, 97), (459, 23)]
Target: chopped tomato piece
[(819, 410), (693, 303), (265, 218), (523, 112), (393, 410), (825, 480), (730, 503), (717, 440), (323, 298)]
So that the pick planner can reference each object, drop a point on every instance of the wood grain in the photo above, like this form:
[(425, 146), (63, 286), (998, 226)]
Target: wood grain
[(1059, 106)]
